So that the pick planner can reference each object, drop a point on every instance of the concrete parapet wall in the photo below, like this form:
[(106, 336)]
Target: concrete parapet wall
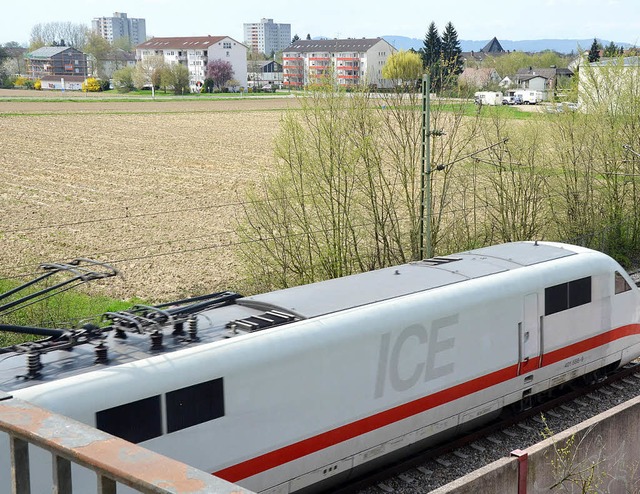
[(601, 454)]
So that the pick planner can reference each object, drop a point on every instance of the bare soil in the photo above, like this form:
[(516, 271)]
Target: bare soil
[(153, 187)]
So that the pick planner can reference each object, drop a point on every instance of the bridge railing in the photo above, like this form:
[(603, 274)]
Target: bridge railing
[(114, 460)]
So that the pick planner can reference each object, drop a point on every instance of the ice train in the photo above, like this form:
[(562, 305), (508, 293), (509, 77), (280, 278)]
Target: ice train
[(297, 389)]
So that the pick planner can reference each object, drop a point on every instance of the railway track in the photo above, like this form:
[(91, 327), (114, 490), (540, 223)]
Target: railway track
[(437, 466)]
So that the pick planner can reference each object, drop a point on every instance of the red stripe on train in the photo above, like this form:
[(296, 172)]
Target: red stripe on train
[(330, 438)]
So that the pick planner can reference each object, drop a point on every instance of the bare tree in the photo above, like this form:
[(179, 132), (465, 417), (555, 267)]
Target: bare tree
[(345, 192), (61, 33)]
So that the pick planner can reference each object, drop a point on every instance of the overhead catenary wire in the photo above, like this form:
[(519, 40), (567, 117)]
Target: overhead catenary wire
[(177, 252), (502, 169)]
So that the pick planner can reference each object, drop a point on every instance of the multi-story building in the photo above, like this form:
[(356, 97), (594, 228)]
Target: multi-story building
[(57, 67), (120, 26), (350, 62), (196, 52), (266, 36)]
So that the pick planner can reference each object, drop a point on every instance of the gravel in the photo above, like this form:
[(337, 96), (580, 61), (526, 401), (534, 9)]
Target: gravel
[(436, 473)]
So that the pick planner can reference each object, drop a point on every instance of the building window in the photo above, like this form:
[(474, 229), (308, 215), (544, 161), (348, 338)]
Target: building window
[(134, 422), (226, 46), (228, 54), (621, 284), (567, 295), (195, 404)]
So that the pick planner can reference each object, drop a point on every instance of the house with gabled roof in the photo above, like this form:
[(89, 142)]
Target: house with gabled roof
[(540, 79), (478, 78), (265, 72), (195, 52), (57, 61), (351, 61)]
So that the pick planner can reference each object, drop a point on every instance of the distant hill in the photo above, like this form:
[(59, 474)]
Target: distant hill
[(559, 45)]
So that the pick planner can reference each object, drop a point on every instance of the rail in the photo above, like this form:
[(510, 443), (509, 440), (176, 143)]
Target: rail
[(114, 460)]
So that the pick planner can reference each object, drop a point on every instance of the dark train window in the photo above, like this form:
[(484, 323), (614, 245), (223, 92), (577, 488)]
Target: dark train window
[(579, 292), (621, 284), (567, 295), (195, 404), (135, 422), (556, 299)]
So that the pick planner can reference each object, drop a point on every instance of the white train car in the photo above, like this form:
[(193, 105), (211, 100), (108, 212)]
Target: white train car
[(296, 389)]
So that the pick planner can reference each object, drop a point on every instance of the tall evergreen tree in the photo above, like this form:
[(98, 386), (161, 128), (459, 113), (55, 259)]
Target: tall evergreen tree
[(430, 53), (594, 51), (452, 63), (432, 46)]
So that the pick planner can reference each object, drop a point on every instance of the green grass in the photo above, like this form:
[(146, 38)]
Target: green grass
[(63, 311), (136, 96), (503, 111)]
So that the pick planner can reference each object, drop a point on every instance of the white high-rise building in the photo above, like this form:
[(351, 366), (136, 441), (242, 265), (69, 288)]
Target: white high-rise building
[(266, 36), (120, 26)]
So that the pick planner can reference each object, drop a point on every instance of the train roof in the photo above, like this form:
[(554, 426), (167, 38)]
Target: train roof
[(231, 315), (384, 284)]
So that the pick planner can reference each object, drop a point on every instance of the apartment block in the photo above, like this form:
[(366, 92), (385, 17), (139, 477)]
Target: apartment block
[(120, 26), (350, 62), (266, 36), (196, 52)]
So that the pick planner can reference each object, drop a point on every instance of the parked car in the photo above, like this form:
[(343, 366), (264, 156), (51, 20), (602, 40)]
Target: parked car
[(508, 100)]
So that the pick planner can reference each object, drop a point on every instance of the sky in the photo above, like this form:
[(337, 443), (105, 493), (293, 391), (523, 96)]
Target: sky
[(612, 20)]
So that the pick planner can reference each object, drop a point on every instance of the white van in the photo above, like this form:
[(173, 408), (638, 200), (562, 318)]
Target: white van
[(490, 98), (530, 97)]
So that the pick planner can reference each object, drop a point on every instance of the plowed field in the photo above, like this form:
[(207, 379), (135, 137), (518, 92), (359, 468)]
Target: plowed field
[(152, 187)]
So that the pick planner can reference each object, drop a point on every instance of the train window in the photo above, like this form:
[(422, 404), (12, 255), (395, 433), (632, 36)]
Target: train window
[(556, 299), (135, 422), (195, 404), (621, 284), (579, 292), (567, 295)]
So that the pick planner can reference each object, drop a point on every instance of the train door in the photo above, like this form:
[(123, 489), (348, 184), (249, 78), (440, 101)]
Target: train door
[(530, 335)]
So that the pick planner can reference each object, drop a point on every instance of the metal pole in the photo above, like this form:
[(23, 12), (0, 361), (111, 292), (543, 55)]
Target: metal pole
[(425, 175)]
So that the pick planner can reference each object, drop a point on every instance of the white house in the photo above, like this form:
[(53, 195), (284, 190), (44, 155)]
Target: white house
[(609, 84), (350, 61), (196, 52)]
